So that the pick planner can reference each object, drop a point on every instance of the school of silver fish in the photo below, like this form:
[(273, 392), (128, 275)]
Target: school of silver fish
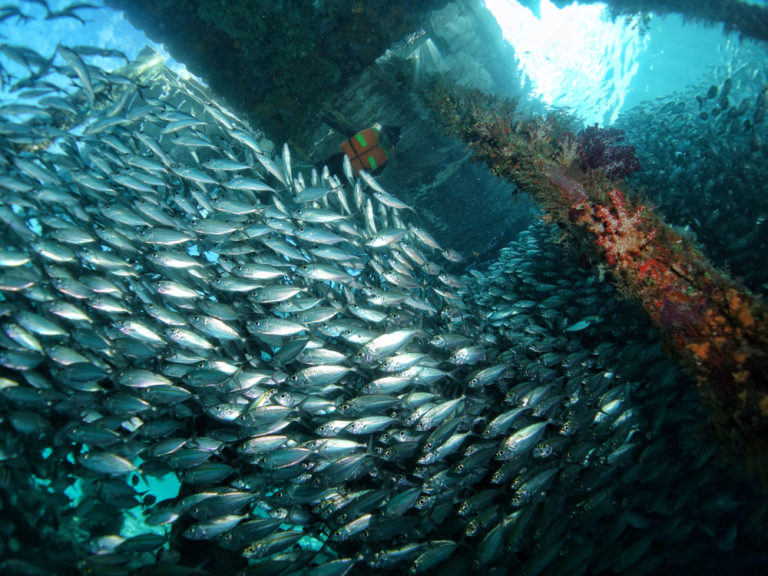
[(303, 359), (721, 133)]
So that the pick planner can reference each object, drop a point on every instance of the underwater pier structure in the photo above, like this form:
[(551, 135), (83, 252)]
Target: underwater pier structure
[(745, 18), (713, 326)]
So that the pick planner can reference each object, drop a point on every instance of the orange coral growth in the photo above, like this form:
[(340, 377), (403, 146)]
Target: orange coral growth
[(700, 349), (740, 309), (652, 270)]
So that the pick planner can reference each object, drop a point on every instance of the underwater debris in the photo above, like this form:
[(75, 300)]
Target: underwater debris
[(715, 327)]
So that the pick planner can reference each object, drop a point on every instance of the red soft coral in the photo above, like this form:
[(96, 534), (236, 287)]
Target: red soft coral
[(620, 233)]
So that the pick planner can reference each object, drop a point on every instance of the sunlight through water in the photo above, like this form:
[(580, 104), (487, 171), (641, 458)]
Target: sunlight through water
[(574, 57)]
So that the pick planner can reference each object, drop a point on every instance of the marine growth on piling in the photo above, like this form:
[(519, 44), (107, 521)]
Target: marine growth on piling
[(715, 327)]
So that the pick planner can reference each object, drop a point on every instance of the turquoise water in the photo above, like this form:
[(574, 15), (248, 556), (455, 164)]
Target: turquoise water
[(579, 58)]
